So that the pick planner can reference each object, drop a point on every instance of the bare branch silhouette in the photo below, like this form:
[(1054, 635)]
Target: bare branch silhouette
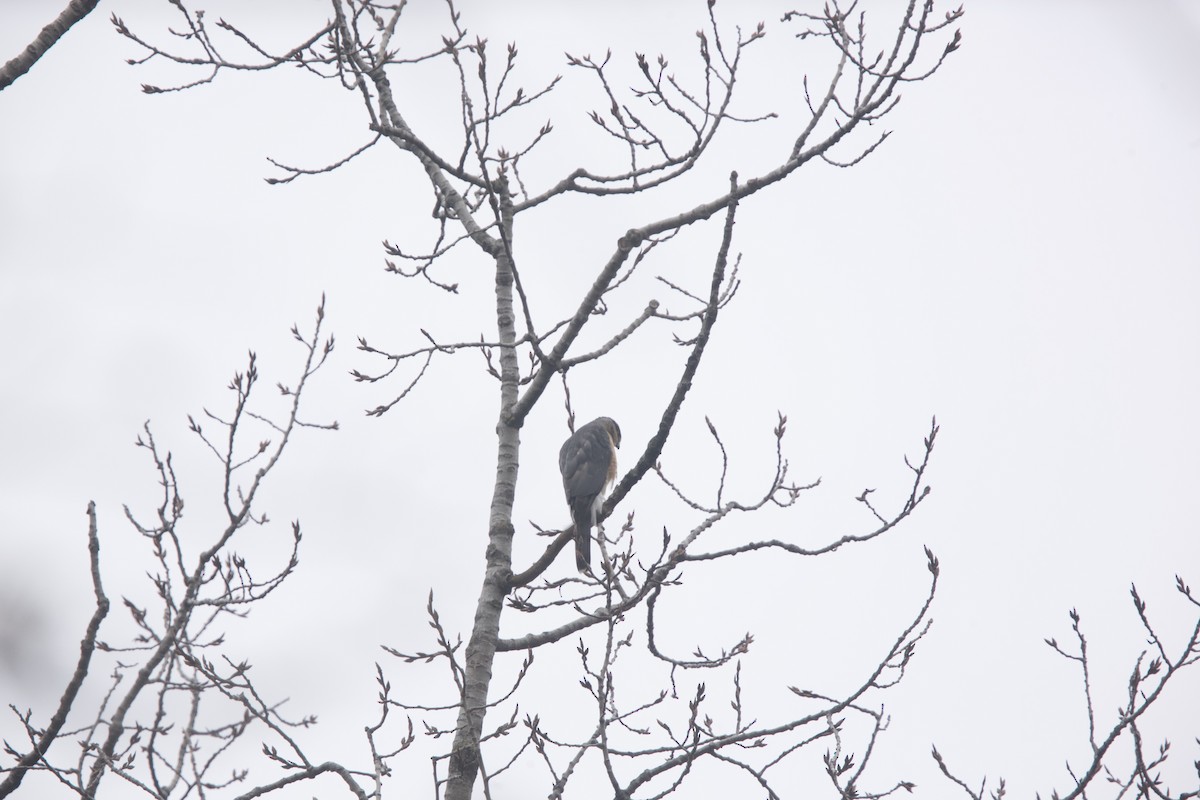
[(17, 66), (1153, 669)]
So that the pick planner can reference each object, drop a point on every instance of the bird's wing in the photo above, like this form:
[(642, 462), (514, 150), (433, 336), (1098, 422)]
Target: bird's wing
[(584, 461)]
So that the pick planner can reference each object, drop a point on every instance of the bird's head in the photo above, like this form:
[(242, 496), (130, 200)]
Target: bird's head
[(614, 430)]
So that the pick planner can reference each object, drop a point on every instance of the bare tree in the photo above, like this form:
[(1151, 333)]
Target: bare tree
[(172, 717)]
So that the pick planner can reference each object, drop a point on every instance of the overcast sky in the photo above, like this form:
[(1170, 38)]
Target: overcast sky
[(1021, 258)]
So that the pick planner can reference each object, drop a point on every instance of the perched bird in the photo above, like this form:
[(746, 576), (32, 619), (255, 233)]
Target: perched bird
[(588, 461)]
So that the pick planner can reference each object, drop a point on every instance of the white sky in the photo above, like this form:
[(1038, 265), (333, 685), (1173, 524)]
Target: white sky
[(1021, 259)]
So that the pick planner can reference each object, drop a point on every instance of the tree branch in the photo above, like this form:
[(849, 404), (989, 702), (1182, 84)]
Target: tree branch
[(86, 648), (18, 66)]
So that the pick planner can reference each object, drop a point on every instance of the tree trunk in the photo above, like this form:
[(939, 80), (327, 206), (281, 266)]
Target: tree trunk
[(481, 649)]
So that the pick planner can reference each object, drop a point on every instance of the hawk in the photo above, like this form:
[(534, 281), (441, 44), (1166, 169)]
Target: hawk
[(588, 461)]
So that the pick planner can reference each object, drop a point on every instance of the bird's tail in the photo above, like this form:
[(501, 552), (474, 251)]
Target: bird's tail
[(583, 537)]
